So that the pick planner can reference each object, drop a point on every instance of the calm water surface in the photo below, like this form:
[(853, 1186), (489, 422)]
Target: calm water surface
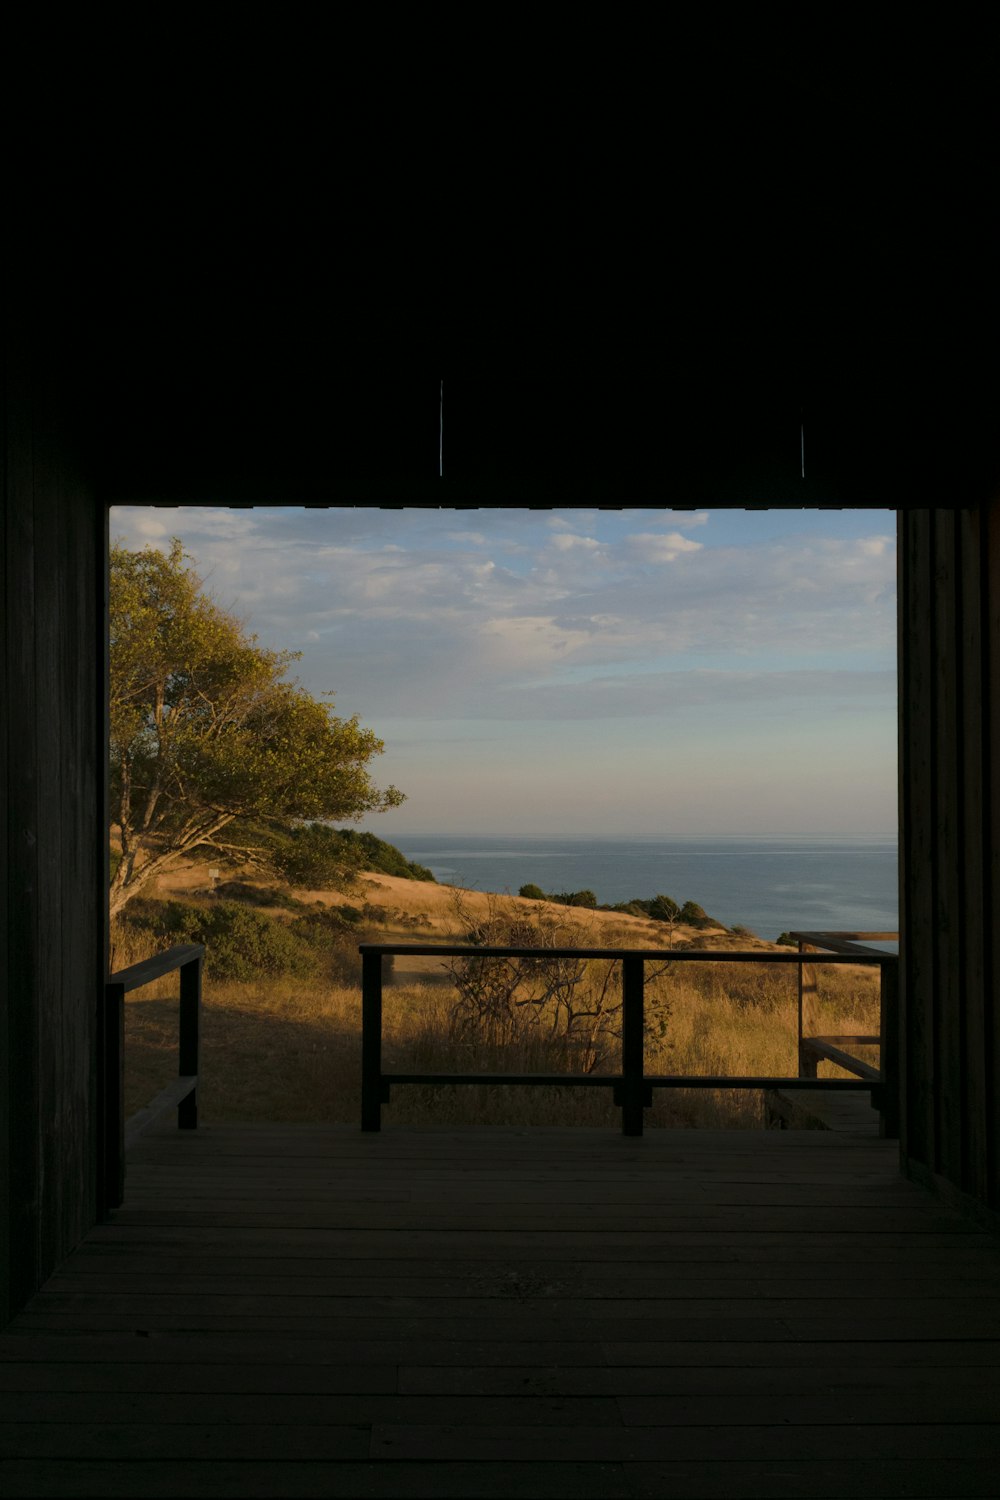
[(770, 885)]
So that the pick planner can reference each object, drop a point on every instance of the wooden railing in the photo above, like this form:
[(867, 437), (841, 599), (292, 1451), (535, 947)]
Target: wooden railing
[(815, 1047), (632, 1087), (119, 1134)]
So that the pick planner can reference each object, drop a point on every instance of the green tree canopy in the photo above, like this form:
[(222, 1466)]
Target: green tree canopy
[(205, 729)]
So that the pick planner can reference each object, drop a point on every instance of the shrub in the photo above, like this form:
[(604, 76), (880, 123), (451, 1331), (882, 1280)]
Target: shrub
[(697, 916), (240, 943), (575, 898), (372, 853), (532, 892), (255, 895)]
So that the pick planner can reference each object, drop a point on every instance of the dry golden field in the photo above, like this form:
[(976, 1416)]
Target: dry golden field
[(290, 1049)]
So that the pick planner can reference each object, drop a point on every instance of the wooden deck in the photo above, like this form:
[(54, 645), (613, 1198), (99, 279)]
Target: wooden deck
[(307, 1311)]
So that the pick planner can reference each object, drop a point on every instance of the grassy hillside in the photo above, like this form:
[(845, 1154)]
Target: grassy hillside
[(281, 1025)]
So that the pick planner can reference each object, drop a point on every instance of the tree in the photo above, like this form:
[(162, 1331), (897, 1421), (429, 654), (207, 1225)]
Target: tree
[(206, 731), (575, 898)]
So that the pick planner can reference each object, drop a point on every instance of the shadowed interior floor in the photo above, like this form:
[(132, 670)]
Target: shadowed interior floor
[(309, 1311)]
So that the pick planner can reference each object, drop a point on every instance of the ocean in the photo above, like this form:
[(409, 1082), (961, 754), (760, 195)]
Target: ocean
[(768, 884)]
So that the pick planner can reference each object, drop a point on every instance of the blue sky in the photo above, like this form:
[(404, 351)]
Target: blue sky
[(583, 673)]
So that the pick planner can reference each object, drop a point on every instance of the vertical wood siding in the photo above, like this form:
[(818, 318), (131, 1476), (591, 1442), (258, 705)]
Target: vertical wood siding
[(949, 750), (53, 965)]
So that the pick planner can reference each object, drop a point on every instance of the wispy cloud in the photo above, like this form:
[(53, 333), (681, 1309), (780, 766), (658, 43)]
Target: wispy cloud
[(575, 615)]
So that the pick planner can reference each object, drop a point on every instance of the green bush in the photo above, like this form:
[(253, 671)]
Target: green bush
[(532, 892), (254, 895), (575, 898), (373, 853), (240, 943), (697, 916)]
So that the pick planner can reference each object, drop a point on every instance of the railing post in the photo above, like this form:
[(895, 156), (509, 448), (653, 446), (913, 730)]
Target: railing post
[(889, 1048), (633, 1092), (190, 1018), (371, 1041), (808, 1062), (113, 1144)]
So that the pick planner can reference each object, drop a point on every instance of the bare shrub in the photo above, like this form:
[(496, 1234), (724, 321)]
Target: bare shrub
[(574, 1004)]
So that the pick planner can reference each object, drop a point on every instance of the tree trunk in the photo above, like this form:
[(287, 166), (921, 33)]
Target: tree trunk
[(127, 883)]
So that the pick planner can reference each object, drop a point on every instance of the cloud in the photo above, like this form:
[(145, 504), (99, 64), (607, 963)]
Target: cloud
[(407, 617), (530, 641), (686, 518), (653, 547), (564, 541)]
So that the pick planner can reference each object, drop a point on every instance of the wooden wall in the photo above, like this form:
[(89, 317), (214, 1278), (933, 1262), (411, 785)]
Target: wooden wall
[(949, 685), (53, 880)]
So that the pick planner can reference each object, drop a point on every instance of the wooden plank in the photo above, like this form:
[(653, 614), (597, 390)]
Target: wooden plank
[(610, 1277), (156, 1442), (991, 820), (733, 1302), (304, 1479), (278, 1409), (948, 996), (137, 975), (83, 898), (21, 854), (825, 1479), (974, 772), (760, 1326), (844, 952), (828, 943), (824, 1047), (168, 1098), (50, 563), (674, 1381), (918, 836), (13, 424), (804, 1109), (585, 1221), (847, 1406), (192, 1349), (542, 1287), (190, 1377), (492, 1244), (773, 1441)]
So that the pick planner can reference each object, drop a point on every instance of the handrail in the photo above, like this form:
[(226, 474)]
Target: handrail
[(632, 1087), (829, 947), (119, 1134)]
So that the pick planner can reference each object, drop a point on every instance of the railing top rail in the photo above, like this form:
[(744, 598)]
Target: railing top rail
[(136, 975), (846, 942), (679, 955)]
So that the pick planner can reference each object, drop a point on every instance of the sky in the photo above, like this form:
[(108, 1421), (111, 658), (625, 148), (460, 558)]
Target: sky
[(582, 673)]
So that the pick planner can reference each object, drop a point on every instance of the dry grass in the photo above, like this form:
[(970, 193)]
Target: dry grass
[(291, 1050)]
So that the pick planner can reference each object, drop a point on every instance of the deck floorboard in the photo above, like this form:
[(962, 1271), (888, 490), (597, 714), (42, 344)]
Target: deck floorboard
[(296, 1310)]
